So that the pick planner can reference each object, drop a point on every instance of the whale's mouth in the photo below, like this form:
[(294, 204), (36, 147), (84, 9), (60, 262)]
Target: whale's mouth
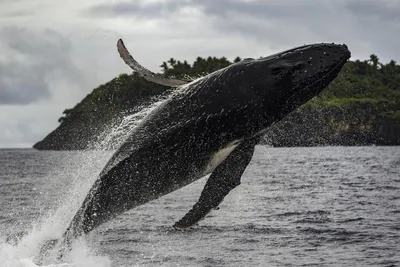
[(314, 88)]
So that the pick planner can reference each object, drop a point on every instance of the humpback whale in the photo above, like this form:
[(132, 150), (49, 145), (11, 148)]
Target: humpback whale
[(207, 126)]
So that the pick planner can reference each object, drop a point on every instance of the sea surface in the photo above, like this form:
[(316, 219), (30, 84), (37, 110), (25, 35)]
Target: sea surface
[(324, 206)]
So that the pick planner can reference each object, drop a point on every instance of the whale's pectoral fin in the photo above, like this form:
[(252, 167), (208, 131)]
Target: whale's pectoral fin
[(142, 71), (224, 178)]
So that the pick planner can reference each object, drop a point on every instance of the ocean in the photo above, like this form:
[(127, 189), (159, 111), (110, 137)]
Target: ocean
[(322, 206)]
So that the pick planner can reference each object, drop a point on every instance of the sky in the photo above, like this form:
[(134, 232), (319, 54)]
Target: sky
[(53, 53)]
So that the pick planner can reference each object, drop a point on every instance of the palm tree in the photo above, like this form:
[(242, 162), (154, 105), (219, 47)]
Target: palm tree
[(374, 60), (164, 67), (172, 62)]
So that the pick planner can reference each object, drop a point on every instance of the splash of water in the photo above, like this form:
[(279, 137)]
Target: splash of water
[(118, 131), (51, 226)]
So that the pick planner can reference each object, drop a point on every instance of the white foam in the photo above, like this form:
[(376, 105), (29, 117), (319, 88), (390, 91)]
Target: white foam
[(51, 226), (80, 256)]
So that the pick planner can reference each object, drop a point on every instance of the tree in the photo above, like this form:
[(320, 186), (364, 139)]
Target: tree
[(374, 60)]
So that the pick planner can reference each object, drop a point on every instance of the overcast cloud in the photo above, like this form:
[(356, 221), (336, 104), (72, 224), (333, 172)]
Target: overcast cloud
[(53, 53)]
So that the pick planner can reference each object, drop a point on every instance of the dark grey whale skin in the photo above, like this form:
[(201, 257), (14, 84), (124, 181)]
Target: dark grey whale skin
[(174, 144)]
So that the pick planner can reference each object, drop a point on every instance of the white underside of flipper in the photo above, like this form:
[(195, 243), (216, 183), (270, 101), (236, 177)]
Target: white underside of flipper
[(219, 156)]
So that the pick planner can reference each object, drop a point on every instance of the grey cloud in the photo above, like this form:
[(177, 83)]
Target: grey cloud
[(262, 20), (219, 8), (317, 10), (379, 11), (129, 8), (367, 26), (19, 8), (19, 86), (17, 14), (17, 134), (384, 9), (264, 9), (27, 62), (26, 132)]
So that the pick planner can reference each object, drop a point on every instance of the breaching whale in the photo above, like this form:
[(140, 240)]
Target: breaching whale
[(206, 126)]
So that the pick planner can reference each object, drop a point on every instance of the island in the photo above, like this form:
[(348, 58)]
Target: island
[(360, 107)]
